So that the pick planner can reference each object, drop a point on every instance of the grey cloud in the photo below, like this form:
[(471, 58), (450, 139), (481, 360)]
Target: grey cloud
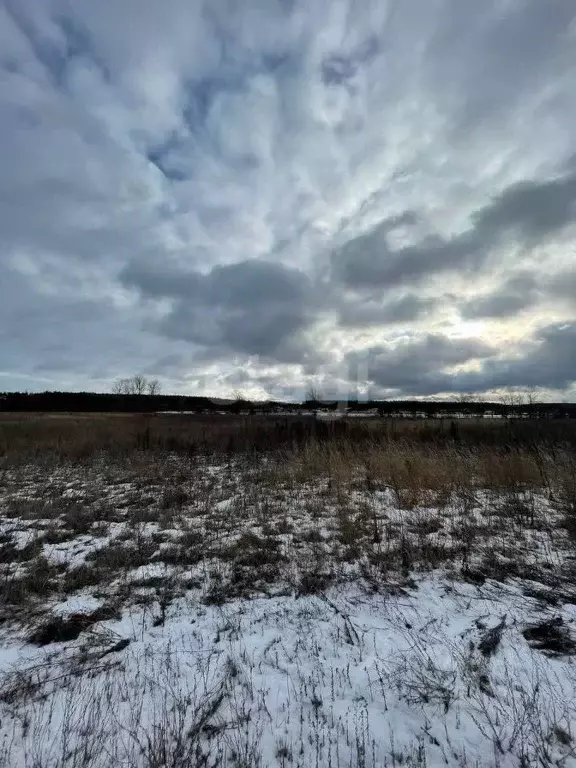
[(406, 309), (532, 210), (368, 260), (509, 50), (339, 68), (563, 286), (515, 294), (526, 213), (156, 280), (251, 307), (522, 292), (55, 45), (261, 283), (68, 341), (416, 364), (548, 361), (163, 158)]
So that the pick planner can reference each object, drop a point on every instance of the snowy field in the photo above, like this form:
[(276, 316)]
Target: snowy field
[(317, 611)]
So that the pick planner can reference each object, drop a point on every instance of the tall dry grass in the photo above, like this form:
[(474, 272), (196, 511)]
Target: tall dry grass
[(419, 461)]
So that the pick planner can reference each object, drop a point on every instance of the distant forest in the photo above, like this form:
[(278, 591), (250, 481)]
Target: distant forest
[(133, 403)]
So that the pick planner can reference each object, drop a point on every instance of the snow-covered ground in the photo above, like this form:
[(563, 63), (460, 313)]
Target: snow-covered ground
[(206, 616), (347, 678)]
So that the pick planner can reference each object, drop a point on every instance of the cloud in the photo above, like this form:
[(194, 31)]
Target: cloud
[(547, 361), (251, 307), (362, 313), (532, 210), (521, 292), (505, 52), (562, 286), (215, 190), (424, 365), (524, 214), (418, 364), (518, 293)]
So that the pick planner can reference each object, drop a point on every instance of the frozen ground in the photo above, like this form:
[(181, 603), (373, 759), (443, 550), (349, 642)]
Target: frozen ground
[(217, 615)]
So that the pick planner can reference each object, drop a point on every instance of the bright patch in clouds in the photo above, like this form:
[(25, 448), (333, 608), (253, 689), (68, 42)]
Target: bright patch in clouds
[(247, 196)]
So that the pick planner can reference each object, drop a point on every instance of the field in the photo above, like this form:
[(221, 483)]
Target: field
[(190, 591)]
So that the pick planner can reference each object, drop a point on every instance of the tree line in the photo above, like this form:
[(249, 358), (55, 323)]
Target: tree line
[(131, 400)]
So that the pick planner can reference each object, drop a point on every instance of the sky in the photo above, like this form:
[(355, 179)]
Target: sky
[(369, 196)]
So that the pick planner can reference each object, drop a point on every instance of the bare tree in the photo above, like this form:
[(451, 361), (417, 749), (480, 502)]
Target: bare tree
[(529, 397), (139, 384), (153, 387), (507, 396), (466, 397), (136, 385), (513, 399), (119, 387), (534, 396), (314, 395)]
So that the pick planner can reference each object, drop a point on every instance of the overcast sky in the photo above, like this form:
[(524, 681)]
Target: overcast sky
[(262, 194)]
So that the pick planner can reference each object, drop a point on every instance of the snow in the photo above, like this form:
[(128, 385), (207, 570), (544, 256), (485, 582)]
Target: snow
[(76, 604), (224, 505), (149, 571), (347, 679), (379, 670), (73, 552)]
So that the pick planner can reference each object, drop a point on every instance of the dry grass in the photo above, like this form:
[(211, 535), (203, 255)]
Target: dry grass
[(76, 437), (83, 506), (376, 504)]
